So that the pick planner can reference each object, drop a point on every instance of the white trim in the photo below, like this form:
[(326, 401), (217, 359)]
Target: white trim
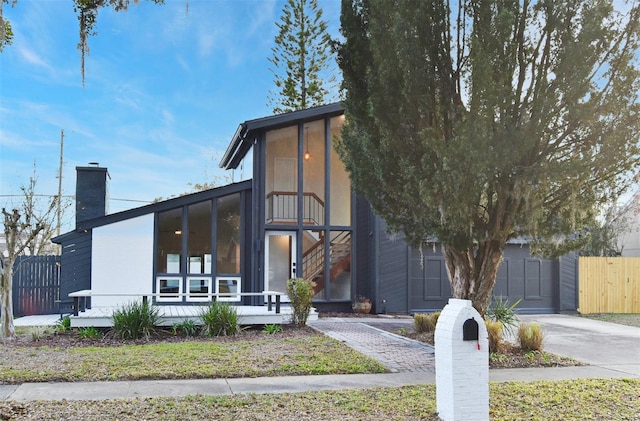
[(198, 297), (169, 297), (293, 251), (234, 279)]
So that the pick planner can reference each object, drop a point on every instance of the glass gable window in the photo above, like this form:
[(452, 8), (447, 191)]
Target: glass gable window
[(199, 237), (189, 259), (312, 207), (169, 249), (228, 234), (313, 197), (281, 177), (340, 183)]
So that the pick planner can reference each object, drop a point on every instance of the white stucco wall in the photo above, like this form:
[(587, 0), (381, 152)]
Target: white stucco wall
[(122, 260)]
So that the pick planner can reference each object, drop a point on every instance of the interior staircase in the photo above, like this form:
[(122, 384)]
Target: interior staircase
[(313, 262)]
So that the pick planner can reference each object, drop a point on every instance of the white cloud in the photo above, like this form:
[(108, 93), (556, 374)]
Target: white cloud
[(32, 57)]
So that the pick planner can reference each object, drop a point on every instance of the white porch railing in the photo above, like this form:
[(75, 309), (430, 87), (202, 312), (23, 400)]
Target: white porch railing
[(80, 303)]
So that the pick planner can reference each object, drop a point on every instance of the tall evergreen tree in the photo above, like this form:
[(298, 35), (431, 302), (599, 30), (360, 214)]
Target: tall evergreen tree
[(495, 120), (301, 58)]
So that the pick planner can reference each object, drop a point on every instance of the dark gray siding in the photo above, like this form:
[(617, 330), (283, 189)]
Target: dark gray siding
[(75, 266), (392, 271), (364, 256)]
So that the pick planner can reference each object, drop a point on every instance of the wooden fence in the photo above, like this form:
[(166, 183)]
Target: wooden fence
[(36, 285), (609, 285)]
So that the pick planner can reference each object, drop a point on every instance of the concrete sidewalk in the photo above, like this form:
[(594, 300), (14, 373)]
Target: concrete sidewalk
[(611, 349), (260, 385)]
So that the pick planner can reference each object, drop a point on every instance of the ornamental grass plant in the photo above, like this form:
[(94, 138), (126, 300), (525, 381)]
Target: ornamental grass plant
[(494, 332), (531, 337), (135, 320), (219, 319)]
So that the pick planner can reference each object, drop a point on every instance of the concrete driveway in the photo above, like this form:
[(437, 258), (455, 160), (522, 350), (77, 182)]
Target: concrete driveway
[(603, 344)]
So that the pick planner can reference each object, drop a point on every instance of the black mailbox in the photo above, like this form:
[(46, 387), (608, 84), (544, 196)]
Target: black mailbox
[(470, 330)]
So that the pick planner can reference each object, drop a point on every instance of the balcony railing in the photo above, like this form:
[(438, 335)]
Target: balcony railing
[(282, 207)]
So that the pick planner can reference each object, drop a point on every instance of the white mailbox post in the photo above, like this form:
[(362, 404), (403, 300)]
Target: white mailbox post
[(462, 363)]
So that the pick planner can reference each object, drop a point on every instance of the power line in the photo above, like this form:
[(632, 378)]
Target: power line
[(73, 196)]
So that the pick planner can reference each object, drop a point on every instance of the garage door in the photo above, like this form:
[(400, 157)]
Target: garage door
[(521, 276)]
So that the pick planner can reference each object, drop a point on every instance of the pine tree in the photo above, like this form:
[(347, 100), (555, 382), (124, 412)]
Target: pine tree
[(492, 121), (301, 58)]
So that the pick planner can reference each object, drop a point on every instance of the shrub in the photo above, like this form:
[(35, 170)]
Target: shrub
[(530, 336), (89, 333), (135, 320), (423, 323), (434, 317), (219, 319), (272, 329), (187, 327), (63, 325), (301, 292), (500, 311), (494, 333), (39, 332)]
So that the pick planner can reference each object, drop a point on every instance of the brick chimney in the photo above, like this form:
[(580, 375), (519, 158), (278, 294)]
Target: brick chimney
[(92, 193)]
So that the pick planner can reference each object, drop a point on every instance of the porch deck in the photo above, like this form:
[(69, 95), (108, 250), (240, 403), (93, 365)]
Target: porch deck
[(170, 314), (101, 316)]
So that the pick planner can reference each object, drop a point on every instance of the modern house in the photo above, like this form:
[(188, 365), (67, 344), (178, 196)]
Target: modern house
[(296, 217)]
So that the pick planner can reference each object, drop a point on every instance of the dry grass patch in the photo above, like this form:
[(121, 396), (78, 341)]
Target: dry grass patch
[(250, 354), (562, 400)]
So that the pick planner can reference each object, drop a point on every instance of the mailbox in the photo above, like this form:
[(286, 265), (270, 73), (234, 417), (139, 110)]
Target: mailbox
[(462, 363), (470, 330)]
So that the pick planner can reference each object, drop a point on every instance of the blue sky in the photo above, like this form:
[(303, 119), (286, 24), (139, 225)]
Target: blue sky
[(164, 92)]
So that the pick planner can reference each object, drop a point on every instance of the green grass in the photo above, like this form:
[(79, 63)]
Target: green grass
[(264, 355), (619, 318), (561, 400)]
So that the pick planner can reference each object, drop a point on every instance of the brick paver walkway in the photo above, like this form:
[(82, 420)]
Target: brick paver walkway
[(398, 354)]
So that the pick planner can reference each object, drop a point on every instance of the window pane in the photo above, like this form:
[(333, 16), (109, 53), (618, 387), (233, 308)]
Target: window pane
[(313, 172), (228, 285), (313, 257), (281, 175), (169, 241), (198, 289), (340, 183), (228, 234), (169, 289), (340, 273), (199, 237)]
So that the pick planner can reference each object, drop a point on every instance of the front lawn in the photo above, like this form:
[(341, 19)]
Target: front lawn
[(249, 354), (562, 400)]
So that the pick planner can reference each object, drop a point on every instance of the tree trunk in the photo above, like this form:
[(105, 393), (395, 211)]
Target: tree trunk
[(472, 273), (7, 330)]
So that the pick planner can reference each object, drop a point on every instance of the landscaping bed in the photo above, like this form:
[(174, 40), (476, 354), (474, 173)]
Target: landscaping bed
[(511, 356), (251, 353)]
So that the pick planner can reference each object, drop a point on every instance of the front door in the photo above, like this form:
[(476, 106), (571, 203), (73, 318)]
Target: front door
[(280, 260)]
